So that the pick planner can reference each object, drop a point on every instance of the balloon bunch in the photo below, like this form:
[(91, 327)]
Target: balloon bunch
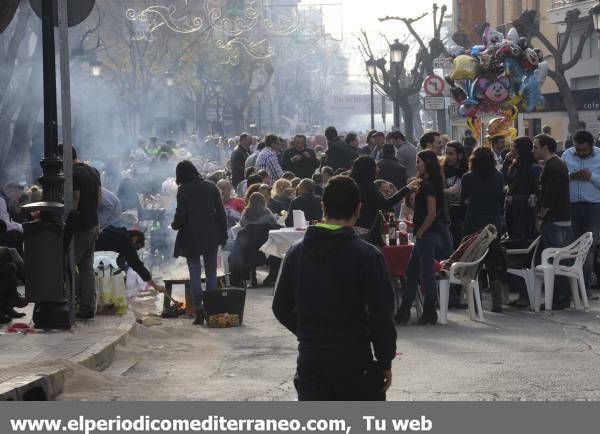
[(502, 75)]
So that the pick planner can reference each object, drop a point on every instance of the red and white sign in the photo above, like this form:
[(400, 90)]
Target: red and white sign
[(434, 85)]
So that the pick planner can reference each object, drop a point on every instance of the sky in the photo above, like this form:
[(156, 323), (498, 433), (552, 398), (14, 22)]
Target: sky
[(354, 15)]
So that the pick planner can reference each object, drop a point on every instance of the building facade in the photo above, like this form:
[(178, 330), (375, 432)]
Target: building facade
[(584, 77), (467, 17)]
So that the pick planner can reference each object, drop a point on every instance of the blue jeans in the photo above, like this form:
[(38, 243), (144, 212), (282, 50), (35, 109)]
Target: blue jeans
[(195, 269), (436, 243), (585, 217), (558, 236)]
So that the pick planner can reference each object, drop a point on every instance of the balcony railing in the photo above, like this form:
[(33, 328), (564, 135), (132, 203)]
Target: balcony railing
[(556, 4), (559, 9)]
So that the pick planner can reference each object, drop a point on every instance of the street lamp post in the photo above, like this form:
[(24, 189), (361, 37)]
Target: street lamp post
[(398, 52), (43, 239), (170, 81), (52, 180), (372, 70)]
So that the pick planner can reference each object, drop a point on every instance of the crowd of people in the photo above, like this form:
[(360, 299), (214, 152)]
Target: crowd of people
[(444, 189), (186, 200)]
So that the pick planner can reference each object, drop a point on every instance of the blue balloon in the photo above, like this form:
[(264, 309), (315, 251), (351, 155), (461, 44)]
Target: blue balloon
[(531, 93), (515, 72), (476, 49), (468, 87), (472, 93)]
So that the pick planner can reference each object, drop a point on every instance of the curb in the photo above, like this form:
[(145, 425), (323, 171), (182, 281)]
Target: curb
[(47, 386)]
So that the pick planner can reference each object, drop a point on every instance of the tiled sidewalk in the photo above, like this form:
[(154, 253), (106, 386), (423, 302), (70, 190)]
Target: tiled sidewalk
[(38, 360)]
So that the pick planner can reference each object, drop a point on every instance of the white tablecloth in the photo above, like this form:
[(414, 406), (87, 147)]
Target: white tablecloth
[(280, 241)]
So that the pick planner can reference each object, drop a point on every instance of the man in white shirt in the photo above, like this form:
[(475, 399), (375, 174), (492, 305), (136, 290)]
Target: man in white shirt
[(268, 160)]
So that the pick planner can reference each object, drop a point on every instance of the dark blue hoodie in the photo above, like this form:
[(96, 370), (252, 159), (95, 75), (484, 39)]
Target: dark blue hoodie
[(336, 296)]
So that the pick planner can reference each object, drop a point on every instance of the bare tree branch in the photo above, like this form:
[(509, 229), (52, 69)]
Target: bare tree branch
[(409, 20), (526, 26), (575, 57), (370, 51), (365, 46), (409, 24), (387, 41), (81, 50), (23, 15), (440, 23), (571, 19)]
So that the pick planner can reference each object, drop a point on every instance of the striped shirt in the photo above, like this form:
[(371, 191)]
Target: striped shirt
[(267, 160)]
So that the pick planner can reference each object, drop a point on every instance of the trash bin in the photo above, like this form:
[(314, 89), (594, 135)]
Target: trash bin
[(44, 258)]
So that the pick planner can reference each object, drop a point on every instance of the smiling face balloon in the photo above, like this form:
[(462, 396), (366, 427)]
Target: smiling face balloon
[(496, 90), (530, 59)]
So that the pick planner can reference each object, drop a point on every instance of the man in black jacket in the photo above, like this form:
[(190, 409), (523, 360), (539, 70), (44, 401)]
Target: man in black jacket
[(87, 193), (307, 202), (238, 159), (338, 305), (390, 168), (126, 244), (375, 140), (554, 215), (299, 159), (339, 153)]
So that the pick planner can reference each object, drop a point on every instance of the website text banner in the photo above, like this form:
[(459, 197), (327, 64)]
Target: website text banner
[(290, 417)]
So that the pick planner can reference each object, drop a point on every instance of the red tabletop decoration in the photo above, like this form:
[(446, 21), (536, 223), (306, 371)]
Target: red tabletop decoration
[(397, 258)]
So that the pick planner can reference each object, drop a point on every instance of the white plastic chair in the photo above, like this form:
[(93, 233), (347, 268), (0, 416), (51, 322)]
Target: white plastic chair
[(471, 287), (527, 274), (553, 265)]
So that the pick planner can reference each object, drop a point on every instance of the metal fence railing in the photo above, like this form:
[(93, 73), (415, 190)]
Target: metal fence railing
[(560, 3)]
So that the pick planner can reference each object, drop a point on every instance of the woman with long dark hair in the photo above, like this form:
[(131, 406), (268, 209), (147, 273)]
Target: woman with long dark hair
[(482, 191), (483, 194), (523, 184), (364, 172), (432, 238), (202, 227)]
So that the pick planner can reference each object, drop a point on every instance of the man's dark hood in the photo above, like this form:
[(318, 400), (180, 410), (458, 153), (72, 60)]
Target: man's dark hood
[(322, 243)]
